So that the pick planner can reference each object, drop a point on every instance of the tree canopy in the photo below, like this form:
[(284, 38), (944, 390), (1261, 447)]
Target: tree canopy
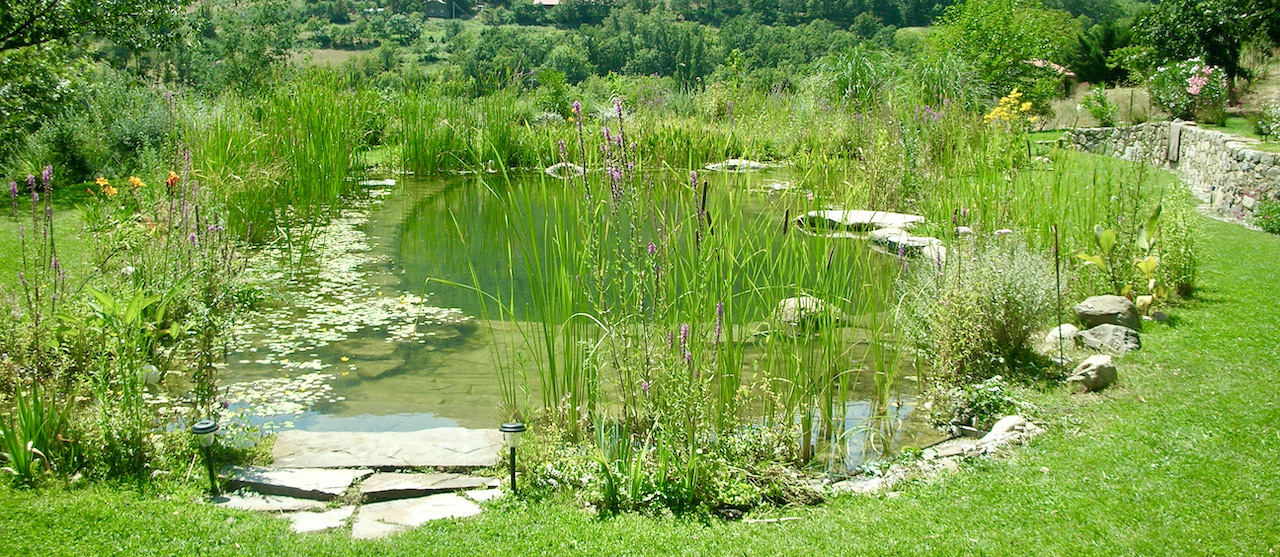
[(33, 22)]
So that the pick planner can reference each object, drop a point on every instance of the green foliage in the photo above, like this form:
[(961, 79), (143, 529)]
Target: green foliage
[(1092, 57), (973, 316), (32, 437), (1190, 90), (1000, 37), (859, 78), (1103, 110), (35, 22), (1214, 30), (1267, 216)]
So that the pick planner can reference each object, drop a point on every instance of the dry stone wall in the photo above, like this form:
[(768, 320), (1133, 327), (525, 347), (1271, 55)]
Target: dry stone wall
[(1221, 169)]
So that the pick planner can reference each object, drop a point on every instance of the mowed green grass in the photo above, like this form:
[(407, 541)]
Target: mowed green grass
[(1179, 458)]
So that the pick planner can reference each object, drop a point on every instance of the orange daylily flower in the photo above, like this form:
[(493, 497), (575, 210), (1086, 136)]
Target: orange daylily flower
[(172, 180)]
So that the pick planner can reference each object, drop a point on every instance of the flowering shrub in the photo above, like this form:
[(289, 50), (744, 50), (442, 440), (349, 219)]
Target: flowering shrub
[(1269, 120), (1011, 110), (1190, 90)]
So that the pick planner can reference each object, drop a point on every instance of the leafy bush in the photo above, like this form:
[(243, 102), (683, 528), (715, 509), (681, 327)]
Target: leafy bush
[(1267, 122), (1101, 108), (1190, 90), (1267, 216), (973, 316)]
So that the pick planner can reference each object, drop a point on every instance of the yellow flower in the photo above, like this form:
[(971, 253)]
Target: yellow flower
[(101, 181), (172, 180), (1026, 106), (136, 182), (109, 190)]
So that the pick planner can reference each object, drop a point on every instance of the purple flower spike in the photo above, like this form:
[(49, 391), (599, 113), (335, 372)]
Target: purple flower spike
[(653, 248), (31, 182), (719, 321), (47, 175), (608, 137), (684, 335), (693, 179), (194, 240), (13, 189), (577, 108), (644, 386), (688, 357), (617, 105)]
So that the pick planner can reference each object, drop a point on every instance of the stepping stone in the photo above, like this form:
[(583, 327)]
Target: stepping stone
[(383, 487), (380, 519), (304, 522), (857, 219), (446, 447), (485, 495), (307, 483), (266, 503)]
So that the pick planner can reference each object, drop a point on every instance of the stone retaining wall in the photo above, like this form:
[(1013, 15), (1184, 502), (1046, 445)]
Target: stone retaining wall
[(1219, 168)]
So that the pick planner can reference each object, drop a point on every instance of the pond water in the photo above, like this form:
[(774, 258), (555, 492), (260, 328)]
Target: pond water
[(360, 340)]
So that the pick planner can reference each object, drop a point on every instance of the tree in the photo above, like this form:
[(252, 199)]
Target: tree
[(34, 22), (1214, 30)]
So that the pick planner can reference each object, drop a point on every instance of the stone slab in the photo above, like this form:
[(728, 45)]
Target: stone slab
[(384, 487), (266, 503), (306, 483), (305, 522), (858, 219), (381, 519), (446, 447)]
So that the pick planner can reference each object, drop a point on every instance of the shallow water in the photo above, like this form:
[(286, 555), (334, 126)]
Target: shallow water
[(360, 340)]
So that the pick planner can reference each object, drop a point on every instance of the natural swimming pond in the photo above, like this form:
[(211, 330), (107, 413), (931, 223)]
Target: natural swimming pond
[(368, 333)]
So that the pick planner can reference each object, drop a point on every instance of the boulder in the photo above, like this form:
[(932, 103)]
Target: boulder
[(1067, 333), (806, 313), (1114, 310), (1112, 338), (1094, 374)]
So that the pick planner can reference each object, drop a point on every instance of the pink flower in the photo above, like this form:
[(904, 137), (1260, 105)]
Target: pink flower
[(1196, 83)]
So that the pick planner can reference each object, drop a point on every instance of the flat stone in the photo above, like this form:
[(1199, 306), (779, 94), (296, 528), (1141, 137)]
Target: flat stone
[(1094, 374), (380, 519), (304, 522), (897, 241), (266, 503), (1114, 310), (485, 495), (564, 170), (307, 483), (1112, 338), (857, 219), (446, 447), (383, 487), (737, 165)]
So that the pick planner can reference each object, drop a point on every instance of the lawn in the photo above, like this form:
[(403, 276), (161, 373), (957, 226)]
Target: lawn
[(1176, 459)]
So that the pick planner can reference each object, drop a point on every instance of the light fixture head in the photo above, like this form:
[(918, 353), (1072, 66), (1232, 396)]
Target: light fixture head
[(204, 431), (511, 433)]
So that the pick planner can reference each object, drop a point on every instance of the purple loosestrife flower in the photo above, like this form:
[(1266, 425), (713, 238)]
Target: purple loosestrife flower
[(688, 358), (47, 176), (653, 248), (644, 387), (13, 189), (684, 336), (194, 240), (608, 137), (564, 151), (719, 321), (617, 106), (902, 251), (693, 179), (577, 108)]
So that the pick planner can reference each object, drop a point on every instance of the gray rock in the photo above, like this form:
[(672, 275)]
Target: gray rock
[(737, 165), (380, 519), (446, 447), (1112, 338), (857, 220), (307, 483), (383, 487), (266, 503), (304, 522), (806, 313), (896, 241), (565, 170), (1066, 333), (1114, 310), (1094, 374)]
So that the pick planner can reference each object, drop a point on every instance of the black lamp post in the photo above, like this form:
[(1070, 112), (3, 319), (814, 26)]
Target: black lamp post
[(511, 433), (204, 431)]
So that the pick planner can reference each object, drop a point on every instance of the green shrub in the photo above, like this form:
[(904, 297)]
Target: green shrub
[(1101, 108), (1190, 90), (973, 316), (1267, 216)]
